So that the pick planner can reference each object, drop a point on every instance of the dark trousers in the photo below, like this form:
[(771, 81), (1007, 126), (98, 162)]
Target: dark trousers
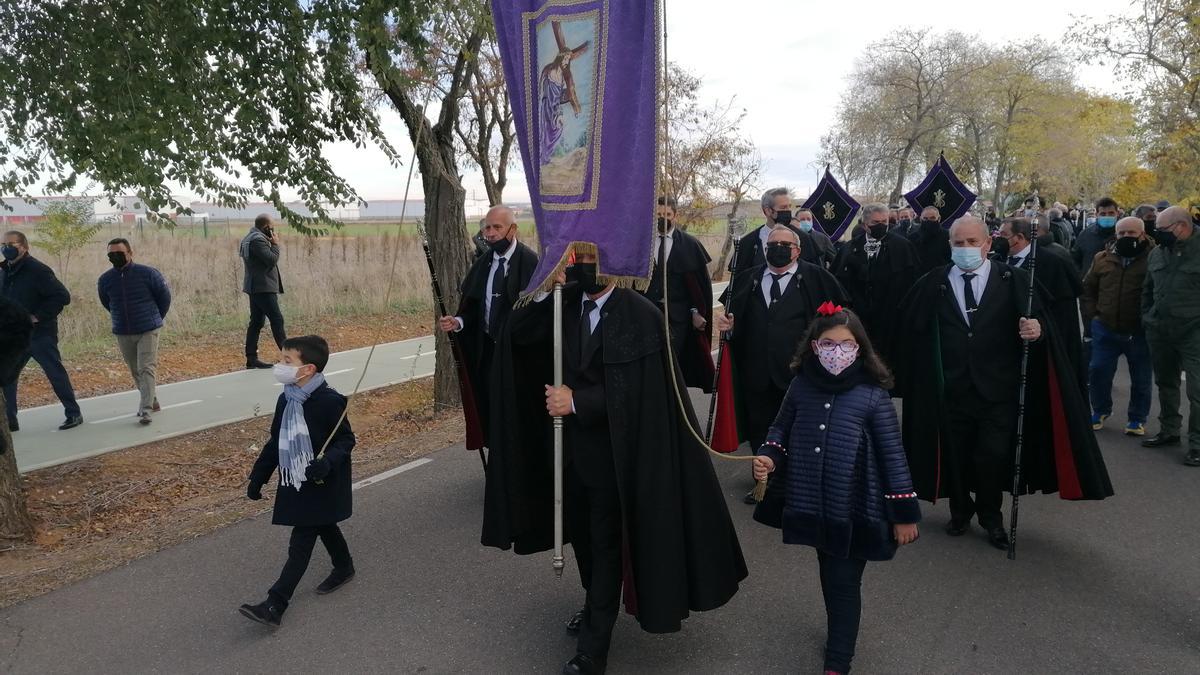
[(761, 409), (264, 307), (44, 350), (593, 512), (981, 435), (1107, 349), (841, 584), (300, 548)]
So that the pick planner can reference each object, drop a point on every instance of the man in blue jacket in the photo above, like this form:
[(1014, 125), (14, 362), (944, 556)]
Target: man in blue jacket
[(138, 298), (32, 285)]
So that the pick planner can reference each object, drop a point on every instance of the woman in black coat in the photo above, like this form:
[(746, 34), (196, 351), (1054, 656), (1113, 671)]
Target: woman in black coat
[(841, 482)]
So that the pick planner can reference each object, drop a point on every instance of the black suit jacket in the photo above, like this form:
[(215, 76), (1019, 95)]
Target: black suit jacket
[(984, 355), (471, 306), (764, 340)]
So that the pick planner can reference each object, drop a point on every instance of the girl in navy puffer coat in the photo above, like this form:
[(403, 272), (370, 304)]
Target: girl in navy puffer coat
[(841, 481)]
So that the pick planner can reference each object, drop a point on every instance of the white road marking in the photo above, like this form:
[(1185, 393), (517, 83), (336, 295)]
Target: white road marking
[(390, 472), (130, 415)]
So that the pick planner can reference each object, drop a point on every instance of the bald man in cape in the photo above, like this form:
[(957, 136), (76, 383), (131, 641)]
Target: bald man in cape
[(958, 368)]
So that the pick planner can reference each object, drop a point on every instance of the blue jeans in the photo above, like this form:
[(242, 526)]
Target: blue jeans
[(44, 350), (841, 584), (1107, 348)]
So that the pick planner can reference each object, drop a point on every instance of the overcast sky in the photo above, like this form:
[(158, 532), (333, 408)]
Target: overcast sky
[(787, 64)]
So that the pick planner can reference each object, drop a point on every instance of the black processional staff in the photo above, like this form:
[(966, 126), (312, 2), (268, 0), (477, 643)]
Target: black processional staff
[(736, 227), (474, 426), (1031, 265)]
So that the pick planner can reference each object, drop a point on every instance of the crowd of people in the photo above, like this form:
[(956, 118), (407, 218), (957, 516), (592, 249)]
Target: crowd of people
[(137, 298), (996, 334)]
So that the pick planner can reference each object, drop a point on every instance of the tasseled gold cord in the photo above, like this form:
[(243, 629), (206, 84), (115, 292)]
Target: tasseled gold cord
[(760, 490)]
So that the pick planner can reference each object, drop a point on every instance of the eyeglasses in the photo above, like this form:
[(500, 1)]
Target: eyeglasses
[(845, 346)]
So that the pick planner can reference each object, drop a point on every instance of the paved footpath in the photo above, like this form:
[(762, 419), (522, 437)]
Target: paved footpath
[(193, 405), (1098, 588)]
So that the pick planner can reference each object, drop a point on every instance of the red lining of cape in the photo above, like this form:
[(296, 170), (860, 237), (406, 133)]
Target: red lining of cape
[(1064, 458)]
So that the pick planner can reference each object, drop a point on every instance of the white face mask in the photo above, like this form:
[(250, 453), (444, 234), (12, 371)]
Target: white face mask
[(285, 374)]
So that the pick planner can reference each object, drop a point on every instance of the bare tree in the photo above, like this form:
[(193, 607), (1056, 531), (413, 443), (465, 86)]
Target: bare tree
[(485, 125), (736, 180)]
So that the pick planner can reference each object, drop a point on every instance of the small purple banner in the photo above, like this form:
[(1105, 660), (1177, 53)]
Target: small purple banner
[(582, 76), (832, 207)]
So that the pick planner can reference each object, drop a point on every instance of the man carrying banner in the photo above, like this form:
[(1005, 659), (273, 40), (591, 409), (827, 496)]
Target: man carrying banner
[(958, 368), (688, 290), (488, 293), (877, 269), (767, 314), (644, 510), (931, 241)]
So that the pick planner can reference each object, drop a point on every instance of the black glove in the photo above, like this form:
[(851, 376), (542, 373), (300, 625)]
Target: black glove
[(317, 469), (254, 491)]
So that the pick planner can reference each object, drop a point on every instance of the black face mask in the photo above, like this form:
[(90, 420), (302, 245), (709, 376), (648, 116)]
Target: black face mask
[(779, 254), (783, 217), (500, 245), (877, 230), (583, 275), (117, 259), (663, 225), (1000, 248), (1130, 247), (1165, 238), (1151, 226), (905, 222), (927, 222)]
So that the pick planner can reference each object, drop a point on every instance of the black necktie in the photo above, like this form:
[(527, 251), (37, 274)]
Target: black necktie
[(969, 294), (1015, 261), (776, 291), (497, 291), (585, 327)]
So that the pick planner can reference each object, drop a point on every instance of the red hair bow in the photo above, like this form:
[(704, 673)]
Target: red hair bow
[(829, 309)]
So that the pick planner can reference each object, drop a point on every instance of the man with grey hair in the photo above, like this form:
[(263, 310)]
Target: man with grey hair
[(777, 209), (1060, 229), (488, 291), (958, 368), (1171, 315), (877, 268)]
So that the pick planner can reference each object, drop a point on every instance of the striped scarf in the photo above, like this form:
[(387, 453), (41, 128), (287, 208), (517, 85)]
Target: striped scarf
[(295, 446)]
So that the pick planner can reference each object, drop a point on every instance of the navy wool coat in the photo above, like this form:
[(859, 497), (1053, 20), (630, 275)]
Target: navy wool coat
[(313, 504), (841, 478)]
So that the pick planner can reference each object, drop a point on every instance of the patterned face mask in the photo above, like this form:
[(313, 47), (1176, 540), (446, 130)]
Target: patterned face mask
[(835, 357)]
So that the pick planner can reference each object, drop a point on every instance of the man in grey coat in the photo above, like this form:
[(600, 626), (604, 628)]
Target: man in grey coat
[(259, 251)]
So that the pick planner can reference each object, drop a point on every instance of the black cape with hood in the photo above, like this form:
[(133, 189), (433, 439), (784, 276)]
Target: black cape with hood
[(689, 285), (1063, 284), (1060, 453), (876, 286), (683, 553)]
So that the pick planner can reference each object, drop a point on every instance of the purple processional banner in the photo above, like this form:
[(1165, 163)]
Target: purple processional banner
[(943, 190), (582, 76)]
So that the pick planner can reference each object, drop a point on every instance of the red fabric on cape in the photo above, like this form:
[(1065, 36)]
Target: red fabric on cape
[(725, 429), (1064, 458)]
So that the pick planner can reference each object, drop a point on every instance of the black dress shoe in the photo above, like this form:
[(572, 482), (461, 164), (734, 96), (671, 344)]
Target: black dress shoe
[(252, 364), (957, 528), (264, 612), (1192, 458), (749, 499), (998, 537), (13, 426), (1160, 440), (71, 423), (575, 623), (335, 580), (583, 664)]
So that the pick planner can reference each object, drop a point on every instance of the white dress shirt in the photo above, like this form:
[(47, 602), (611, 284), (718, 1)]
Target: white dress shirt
[(594, 317), (1020, 256), (659, 241), (767, 280), (487, 289), (978, 284)]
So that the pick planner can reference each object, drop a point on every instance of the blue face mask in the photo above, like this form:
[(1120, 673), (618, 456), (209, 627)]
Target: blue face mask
[(806, 225), (966, 258), (1106, 222), (10, 253)]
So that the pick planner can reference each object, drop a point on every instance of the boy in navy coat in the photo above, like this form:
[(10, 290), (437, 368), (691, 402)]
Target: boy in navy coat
[(314, 492)]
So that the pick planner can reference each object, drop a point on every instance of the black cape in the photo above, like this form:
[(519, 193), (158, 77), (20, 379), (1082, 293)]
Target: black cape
[(688, 265), (683, 552), (877, 287), (1062, 285), (1060, 453)]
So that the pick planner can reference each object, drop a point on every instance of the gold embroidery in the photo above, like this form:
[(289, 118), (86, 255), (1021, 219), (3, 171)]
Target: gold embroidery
[(939, 199), (830, 211)]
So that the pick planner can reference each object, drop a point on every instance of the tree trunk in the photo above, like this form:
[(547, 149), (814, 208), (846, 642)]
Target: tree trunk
[(15, 523), (901, 172), (727, 246)]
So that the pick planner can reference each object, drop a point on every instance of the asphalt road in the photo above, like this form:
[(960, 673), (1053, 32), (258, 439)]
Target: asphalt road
[(110, 422), (1098, 588)]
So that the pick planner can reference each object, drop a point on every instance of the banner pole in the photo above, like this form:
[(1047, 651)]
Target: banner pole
[(559, 564)]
